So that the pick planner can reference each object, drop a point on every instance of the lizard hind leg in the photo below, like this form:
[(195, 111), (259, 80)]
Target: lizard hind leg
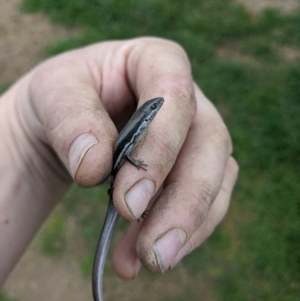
[(137, 163)]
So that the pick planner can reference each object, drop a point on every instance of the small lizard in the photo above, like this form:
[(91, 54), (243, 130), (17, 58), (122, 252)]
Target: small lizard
[(125, 144)]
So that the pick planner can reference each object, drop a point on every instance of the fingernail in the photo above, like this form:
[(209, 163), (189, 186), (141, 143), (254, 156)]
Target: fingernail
[(78, 149), (182, 252), (167, 248), (138, 197)]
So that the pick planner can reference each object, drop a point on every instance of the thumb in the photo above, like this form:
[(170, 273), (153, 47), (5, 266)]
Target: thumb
[(64, 103)]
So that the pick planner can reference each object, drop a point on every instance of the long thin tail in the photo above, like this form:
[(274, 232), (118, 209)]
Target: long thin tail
[(108, 229)]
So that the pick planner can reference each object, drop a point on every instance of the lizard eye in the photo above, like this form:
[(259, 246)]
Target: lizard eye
[(153, 106)]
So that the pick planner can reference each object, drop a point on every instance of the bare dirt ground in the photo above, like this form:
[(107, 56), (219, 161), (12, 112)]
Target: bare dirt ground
[(255, 6), (23, 38), (41, 277)]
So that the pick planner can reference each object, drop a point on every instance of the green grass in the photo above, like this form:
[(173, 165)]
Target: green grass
[(88, 206), (3, 88), (5, 298), (255, 254), (86, 265), (52, 237)]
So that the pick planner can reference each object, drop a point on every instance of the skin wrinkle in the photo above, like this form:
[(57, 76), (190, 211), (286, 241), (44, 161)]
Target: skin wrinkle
[(201, 202), (172, 137), (37, 84), (170, 192), (132, 74), (55, 122), (217, 131), (200, 167), (168, 145), (126, 50), (38, 149), (96, 74), (148, 52), (53, 162), (49, 159), (107, 67), (166, 166), (220, 136), (12, 135), (204, 193), (192, 205), (53, 95), (29, 100), (180, 90), (153, 200), (171, 87), (161, 204), (128, 97), (168, 154), (218, 209), (169, 142), (176, 51), (55, 133)]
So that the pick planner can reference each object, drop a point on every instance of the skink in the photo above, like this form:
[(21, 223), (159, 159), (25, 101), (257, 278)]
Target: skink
[(125, 144)]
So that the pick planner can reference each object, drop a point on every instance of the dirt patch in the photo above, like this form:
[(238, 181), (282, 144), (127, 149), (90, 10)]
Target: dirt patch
[(23, 37), (41, 277), (289, 53), (256, 6), (234, 53)]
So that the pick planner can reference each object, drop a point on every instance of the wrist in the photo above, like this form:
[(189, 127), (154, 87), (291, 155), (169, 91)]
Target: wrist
[(29, 181)]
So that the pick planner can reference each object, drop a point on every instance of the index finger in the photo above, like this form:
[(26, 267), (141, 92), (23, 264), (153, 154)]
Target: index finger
[(156, 68)]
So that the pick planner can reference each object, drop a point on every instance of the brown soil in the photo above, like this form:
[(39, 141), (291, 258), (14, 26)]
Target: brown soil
[(23, 37), (41, 277), (256, 6)]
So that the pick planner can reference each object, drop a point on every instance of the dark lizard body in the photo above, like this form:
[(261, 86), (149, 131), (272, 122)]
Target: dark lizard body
[(125, 144)]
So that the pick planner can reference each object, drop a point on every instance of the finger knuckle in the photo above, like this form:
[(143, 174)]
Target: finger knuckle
[(216, 214), (162, 42), (203, 199), (232, 166), (177, 80), (166, 144), (181, 89), (221, 138)]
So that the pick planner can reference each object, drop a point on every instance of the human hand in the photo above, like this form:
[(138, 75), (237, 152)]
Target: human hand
[(61, 119)]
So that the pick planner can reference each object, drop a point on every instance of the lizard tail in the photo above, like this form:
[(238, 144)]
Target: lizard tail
[(108, 229)]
